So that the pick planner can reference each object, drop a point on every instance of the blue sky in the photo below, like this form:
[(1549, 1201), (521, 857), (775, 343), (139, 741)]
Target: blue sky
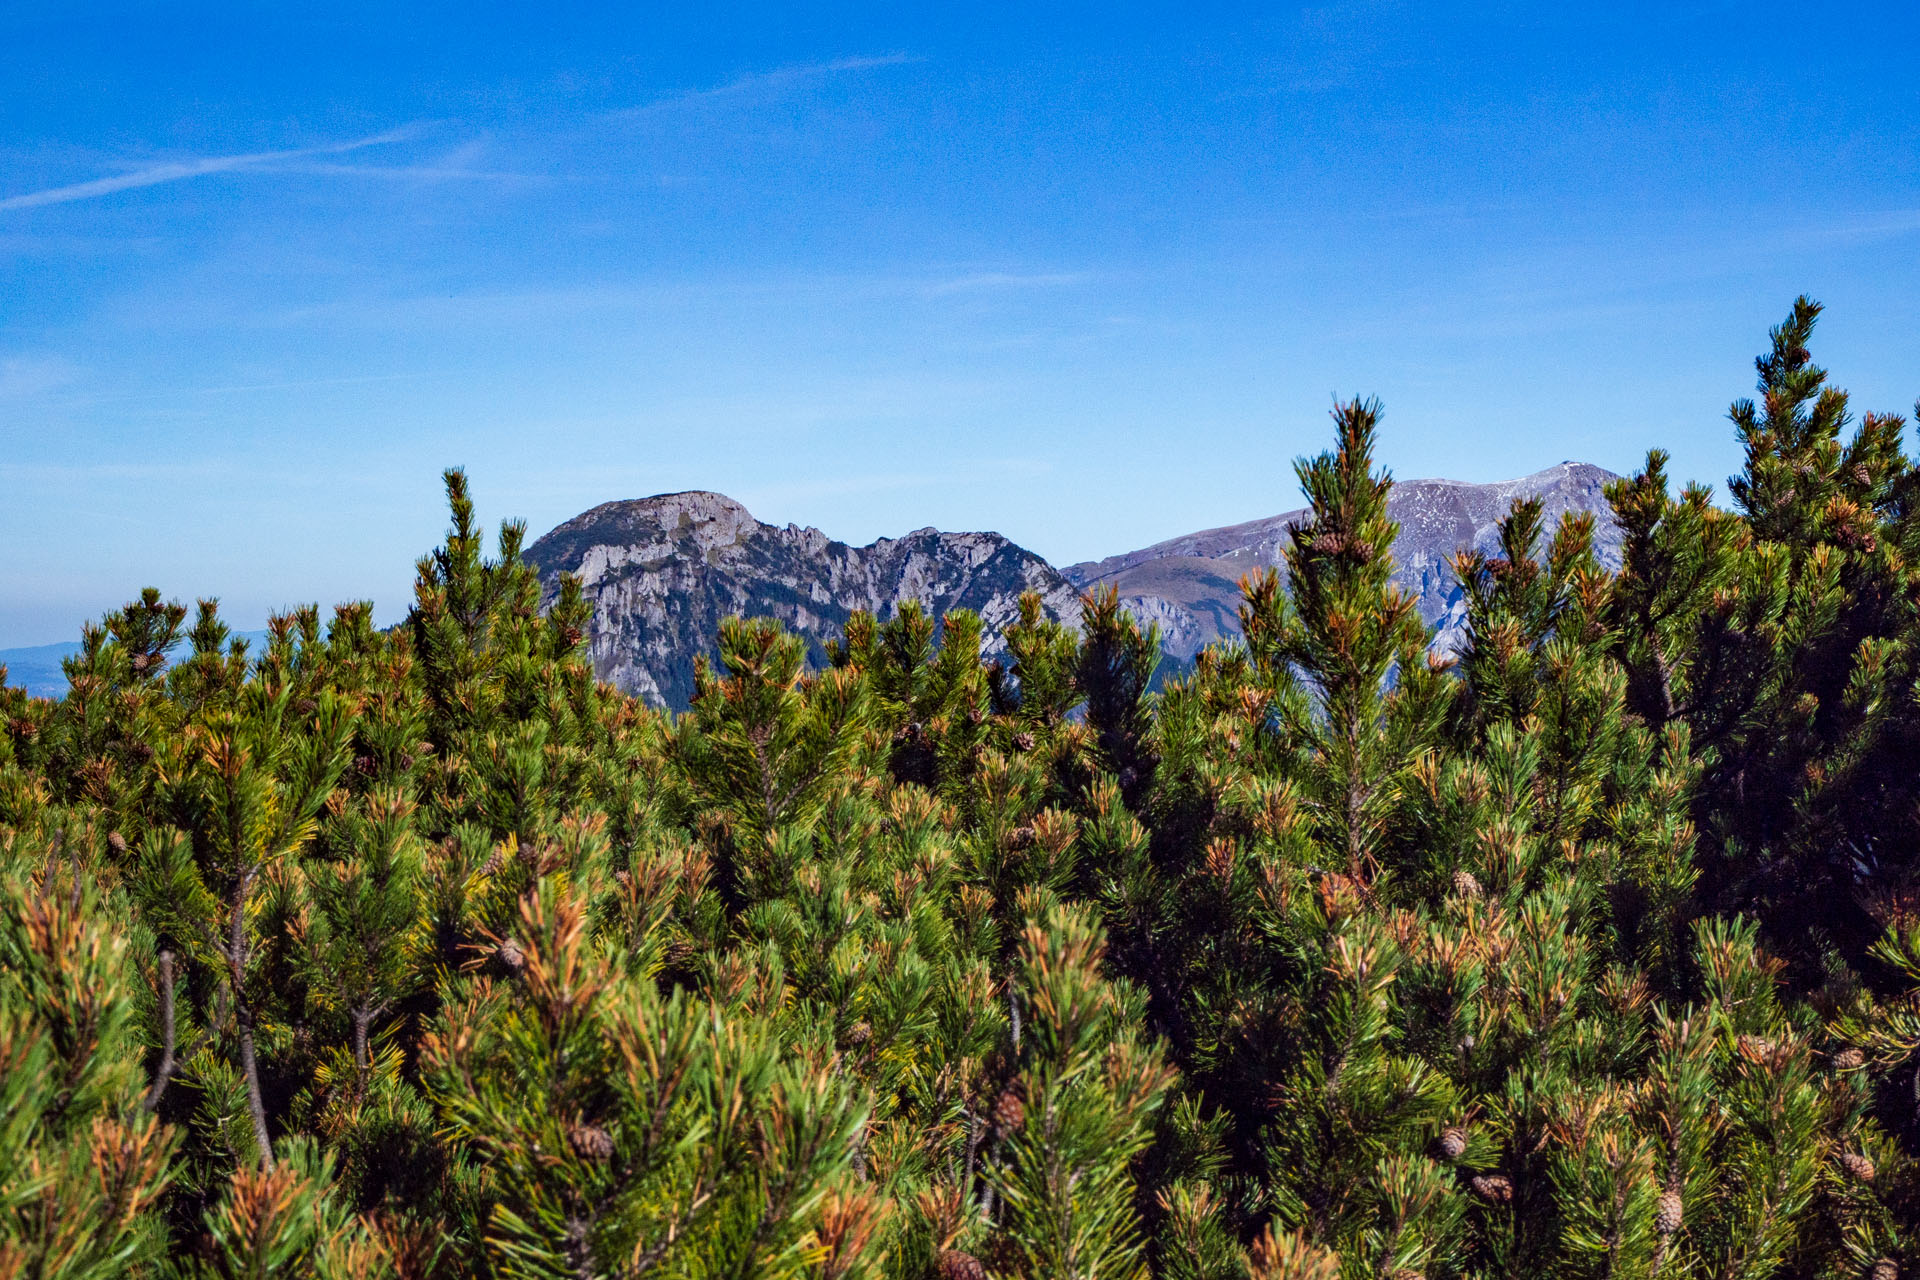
[(1089, 277)]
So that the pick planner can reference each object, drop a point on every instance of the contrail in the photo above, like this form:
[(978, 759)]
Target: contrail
[(184, 169)]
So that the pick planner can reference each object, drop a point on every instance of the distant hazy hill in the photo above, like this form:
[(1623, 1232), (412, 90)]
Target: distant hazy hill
[(663, 571), (1190, 584), (37, 667)]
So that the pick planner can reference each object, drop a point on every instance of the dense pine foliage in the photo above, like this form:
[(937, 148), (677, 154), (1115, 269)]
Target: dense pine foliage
[(1592, 950)]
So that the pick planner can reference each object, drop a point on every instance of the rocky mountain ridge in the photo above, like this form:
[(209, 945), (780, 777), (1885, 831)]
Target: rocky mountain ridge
[(662, 572), (1190, 584)]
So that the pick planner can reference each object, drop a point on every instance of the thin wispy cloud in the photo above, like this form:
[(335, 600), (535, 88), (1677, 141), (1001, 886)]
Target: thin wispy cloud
[(807, 71), (657, 297), (462, 164), (409, 172), (301, 383), (24, 377), (773, 498), (1883, 225), (181, 170), (991, 281), (780, 77)]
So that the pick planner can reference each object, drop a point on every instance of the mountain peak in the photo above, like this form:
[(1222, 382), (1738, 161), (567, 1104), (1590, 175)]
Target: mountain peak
[(1189, 584), (694, 506), (662, 572), (1546, 477)]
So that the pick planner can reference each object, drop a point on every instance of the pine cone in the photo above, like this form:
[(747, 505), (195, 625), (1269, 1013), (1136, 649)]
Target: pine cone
[(1022, 741), (117, 843), (365, 764), (1849, 1060), (1494, 1189), (306, 706), (955, 1265), (495, 860), (859, 1033), (511, 955), (1466, 885), (1020, 838), (1671, 1213), (1886, 1269), (1329, 544), (1009, 1112), (1453, 1142), (140, 662), (1859, 1168), (590, 1142)]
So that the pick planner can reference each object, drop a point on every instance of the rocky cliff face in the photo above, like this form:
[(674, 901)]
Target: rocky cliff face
[(1189, 585), (663, 571)]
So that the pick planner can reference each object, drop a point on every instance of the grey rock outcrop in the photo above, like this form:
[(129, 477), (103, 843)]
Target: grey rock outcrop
[(662, 572)]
